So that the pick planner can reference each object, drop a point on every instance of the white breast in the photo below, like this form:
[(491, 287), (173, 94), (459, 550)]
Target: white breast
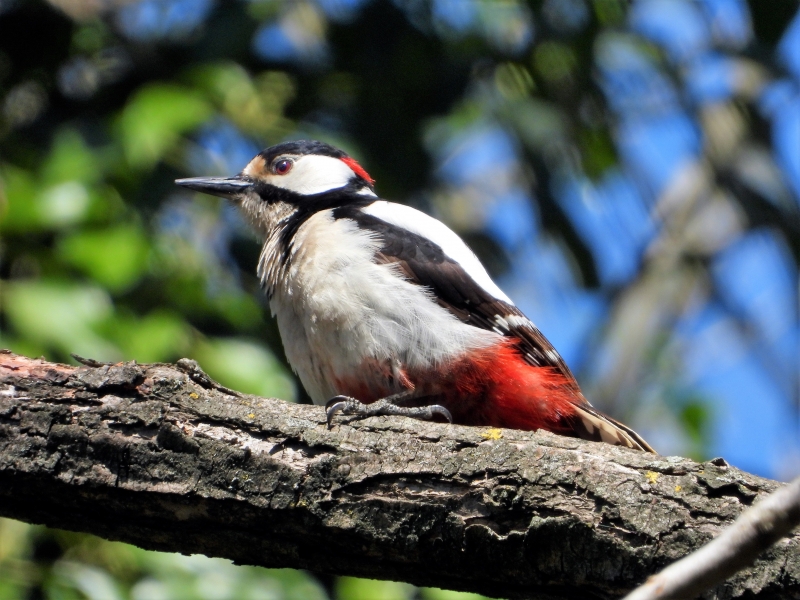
[(337, 309)]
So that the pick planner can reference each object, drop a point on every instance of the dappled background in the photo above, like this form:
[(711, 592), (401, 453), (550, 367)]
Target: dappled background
[(629, 173)]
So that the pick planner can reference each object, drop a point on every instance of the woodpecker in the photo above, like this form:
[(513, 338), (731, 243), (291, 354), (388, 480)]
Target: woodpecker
[(383, 309)]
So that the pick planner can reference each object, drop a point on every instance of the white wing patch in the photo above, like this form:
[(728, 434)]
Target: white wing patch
[(453, 246), (519, 321)]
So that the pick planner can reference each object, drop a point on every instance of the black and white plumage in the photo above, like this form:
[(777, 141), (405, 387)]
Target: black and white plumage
[(377, 300)]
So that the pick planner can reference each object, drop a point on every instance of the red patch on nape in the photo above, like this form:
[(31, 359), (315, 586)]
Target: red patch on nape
[(357, 169)]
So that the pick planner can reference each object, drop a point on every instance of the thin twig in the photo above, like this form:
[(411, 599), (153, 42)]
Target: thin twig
[(89, 362), (193, 370)]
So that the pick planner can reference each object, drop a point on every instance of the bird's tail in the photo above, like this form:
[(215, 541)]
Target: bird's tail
[(591, 424)]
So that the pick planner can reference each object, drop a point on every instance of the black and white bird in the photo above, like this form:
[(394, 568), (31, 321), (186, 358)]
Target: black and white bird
[(383, 309)]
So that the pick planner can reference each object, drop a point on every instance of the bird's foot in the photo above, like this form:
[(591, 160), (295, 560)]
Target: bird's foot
[(385, 406)]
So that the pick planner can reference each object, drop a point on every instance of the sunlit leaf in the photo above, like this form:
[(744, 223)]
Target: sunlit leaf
[(63, 204), (70, 159), (255, 105), (115, 257), (440, 594), (244, 366), (61, 315), (353, 588), (18, 209), (159, 336), (91, 582), (154, 119)]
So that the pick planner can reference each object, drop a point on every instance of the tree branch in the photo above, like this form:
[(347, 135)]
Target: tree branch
[(738, 546), (146, 455)]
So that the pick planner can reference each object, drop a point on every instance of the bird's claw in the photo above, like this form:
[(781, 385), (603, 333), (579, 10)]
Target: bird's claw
[(350, 406), (337, 404), (438, 409)]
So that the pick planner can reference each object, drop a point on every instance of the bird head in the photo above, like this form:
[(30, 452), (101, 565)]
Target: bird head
[(290, 178)]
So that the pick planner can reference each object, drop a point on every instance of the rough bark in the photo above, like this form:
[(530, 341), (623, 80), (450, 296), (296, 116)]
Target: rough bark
[(738, 546), (146, 455)]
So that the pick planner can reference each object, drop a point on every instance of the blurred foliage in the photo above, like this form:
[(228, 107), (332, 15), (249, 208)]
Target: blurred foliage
[(36, 562), (629, 171)]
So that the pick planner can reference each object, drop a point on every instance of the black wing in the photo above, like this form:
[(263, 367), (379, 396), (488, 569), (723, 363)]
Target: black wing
[(423, 262)]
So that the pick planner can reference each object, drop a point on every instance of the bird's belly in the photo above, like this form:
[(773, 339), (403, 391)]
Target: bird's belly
[(362, 330)]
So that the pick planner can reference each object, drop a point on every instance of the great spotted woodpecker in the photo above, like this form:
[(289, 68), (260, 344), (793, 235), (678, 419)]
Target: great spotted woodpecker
[(384, 310)]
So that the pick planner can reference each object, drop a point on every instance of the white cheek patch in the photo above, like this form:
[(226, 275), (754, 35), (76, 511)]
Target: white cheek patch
[(313, 175), (440, 234)]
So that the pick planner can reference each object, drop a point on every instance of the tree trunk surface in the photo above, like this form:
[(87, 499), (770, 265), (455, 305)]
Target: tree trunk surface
[(147, 455)]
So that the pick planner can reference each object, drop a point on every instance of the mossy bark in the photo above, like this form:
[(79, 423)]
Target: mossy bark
[(144, 454)]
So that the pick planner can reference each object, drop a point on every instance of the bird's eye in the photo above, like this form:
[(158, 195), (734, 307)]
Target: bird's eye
[(283, 166)]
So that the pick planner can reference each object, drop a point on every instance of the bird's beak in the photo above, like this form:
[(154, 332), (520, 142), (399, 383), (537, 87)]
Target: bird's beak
[(224, 187)]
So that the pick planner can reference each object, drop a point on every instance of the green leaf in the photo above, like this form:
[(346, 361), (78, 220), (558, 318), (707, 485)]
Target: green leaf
[(254, 104), (597, 150), (240, 309), (353, 588), (25, 347), (695, 416), (440, 594), (539, 123), (26, 204), (159, 336), (59, 315), (18, 208), (554, 61), (154, 119), (115, 257), (70, 159), (59, 195), (244, 366), (63, 204), (202, 578), (92, 582)]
